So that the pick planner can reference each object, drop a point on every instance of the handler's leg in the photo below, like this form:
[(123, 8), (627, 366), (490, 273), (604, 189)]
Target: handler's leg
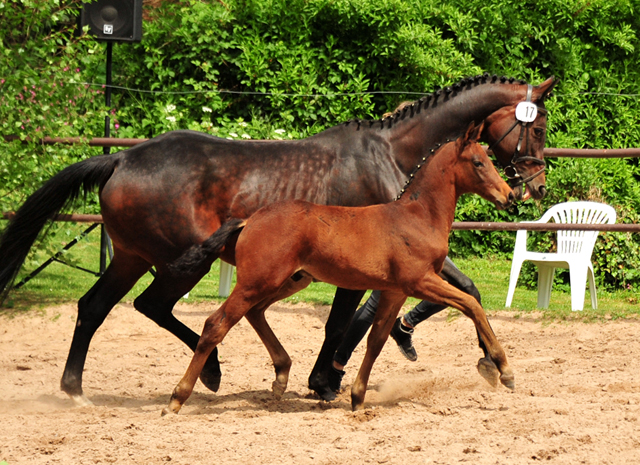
[(360, 324), (426, 309)]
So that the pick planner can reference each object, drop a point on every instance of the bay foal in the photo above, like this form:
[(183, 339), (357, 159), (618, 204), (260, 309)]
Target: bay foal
[(397, 247)]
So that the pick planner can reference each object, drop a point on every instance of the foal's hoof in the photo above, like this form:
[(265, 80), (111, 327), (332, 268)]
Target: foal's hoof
[(508, 380), (489, 371), (167, 411), (278, 389), (211, 379)]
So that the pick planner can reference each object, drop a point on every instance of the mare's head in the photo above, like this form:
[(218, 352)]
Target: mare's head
[(517, 134), (475, 174)]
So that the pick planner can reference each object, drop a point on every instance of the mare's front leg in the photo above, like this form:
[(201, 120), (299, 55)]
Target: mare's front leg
[(345, 304), (386, 314), (279, 356), (435, 289)]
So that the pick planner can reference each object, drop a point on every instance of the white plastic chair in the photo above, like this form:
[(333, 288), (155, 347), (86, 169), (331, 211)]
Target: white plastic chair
[(574, 252)]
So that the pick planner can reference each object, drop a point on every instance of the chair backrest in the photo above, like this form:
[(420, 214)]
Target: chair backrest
[(577, 242)]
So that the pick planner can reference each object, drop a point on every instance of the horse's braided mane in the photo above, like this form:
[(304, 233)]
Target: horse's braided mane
[(423, 103)]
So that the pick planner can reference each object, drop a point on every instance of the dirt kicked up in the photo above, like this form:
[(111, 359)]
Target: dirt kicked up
[(577, 397)]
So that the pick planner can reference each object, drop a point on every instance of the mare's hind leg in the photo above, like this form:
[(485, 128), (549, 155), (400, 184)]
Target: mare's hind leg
[(435, 289), (157, 302), (345, 304), (119, 277), (386, 314), (279, 356)]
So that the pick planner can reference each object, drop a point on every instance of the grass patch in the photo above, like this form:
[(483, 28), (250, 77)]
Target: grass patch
[(59, 283)]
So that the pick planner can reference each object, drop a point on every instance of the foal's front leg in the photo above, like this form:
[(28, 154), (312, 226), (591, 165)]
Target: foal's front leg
[(386, 314), (434, 289)]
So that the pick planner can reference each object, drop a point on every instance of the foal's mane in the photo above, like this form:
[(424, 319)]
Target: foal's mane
[(413, 108)]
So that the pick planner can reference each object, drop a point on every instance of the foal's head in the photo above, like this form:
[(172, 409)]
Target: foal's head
[(475, 173)]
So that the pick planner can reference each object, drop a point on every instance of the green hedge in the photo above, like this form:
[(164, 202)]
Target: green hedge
[(306, 55)]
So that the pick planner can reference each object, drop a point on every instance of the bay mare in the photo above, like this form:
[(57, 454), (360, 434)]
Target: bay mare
[(163, 196), (397, 247)]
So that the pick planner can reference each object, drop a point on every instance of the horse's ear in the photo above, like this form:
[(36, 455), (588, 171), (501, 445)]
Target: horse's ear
[(541, 91), (473, 133)]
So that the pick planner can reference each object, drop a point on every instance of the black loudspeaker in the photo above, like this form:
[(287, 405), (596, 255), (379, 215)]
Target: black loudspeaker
[(113, 20)]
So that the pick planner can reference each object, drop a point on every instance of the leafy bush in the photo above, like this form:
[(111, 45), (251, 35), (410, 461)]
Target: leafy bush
[(288, 69)]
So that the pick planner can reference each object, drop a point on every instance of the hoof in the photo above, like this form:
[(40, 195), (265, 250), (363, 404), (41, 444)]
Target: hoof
[(508, 380), (278, 389), (211, 380), (80, 400), (489, 371), (357, 406), (325, 393), (167, 411)]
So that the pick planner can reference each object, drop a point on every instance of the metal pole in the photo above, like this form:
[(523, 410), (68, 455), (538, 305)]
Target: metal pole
[(105, 246)]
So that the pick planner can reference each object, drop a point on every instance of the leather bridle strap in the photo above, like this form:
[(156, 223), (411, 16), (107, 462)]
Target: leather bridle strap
[(514, 179)]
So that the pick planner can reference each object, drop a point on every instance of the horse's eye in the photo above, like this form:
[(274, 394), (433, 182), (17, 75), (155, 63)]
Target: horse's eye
[(538, 132), (477, 163)]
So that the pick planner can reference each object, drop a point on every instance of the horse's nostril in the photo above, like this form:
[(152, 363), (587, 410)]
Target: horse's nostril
[(511, 197), (542, 190)]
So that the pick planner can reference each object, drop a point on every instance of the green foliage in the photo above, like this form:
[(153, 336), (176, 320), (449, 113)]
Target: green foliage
[(276, 69)]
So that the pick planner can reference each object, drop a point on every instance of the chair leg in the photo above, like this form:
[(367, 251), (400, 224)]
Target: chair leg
[(545, 283), (578, 277), (592, 288), (516, 265)]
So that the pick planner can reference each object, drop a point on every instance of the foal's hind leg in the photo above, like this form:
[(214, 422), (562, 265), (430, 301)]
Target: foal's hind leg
[(215, 329), (279, 356), (120, 276), (386, 314), (157, 302)]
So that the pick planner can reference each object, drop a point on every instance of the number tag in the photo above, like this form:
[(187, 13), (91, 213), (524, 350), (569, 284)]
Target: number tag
[(526, 112)]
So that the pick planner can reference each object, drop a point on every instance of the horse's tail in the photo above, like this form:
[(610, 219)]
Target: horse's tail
[(200, 254), (43, 205)]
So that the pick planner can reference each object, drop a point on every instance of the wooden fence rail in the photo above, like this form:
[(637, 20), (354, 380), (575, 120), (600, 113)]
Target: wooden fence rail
[(548, 152)]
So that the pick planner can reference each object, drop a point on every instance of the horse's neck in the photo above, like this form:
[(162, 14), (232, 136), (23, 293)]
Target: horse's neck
[(433, 195), (413, 137)]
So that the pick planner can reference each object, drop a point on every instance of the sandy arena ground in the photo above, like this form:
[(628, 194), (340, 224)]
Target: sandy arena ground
[(577, 397)]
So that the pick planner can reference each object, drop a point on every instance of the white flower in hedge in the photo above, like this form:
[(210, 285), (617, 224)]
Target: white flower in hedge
[(246, 136), (242, 124), (171, 118), (207, 109), (233, 134), (279, 131), (170, 108)]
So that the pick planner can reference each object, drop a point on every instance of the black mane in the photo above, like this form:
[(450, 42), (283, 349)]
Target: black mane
[(423, 102)]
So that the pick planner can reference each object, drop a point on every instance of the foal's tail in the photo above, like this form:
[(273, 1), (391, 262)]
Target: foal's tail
[(199, 255), (57, 193)]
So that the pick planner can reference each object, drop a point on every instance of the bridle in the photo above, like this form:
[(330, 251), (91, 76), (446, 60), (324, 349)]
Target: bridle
[(526, 113)]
